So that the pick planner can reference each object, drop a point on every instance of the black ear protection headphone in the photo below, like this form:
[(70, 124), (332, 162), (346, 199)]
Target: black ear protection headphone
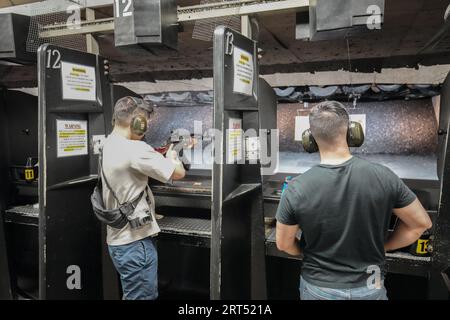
[(139, 123), (355, 137)]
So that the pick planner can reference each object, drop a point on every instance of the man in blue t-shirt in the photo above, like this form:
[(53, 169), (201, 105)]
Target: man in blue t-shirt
[(343, 207)]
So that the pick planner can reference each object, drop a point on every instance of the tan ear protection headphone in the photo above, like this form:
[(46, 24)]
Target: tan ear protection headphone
[(139, 123), (355, 137)]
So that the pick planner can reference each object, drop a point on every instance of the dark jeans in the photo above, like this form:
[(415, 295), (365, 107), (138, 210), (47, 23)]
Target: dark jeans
[(137, 264)]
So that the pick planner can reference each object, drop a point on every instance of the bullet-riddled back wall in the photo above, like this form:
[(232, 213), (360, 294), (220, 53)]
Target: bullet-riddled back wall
[(392, 127), (166, 119)]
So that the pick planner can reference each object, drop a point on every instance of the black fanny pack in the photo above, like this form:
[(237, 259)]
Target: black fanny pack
[(119, 217)]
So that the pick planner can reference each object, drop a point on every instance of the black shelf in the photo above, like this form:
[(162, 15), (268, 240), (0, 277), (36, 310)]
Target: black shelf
[(396, 262), (27, 215)]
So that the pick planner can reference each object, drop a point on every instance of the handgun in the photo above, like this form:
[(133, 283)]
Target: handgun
[(180, 142)]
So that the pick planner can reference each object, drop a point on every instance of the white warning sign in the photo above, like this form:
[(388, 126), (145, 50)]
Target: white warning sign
[(301, 124), (243, 72), (234, 143), (71, 138), (78, 82)]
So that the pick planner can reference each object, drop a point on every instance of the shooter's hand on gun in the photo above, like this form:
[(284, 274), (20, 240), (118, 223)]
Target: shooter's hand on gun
[(179, 171), (172, 155), (178, 142)]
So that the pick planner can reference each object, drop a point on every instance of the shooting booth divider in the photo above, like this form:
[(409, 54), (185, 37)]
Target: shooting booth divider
[(18, 190), (5, 283), (237, 239), (73, 94), (439, 283)]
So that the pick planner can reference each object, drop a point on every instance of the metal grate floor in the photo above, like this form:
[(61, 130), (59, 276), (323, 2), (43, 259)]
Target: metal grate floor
[(185, 226), (27, 210)]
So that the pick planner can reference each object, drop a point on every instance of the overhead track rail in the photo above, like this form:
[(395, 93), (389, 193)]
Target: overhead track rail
[(185, 14)]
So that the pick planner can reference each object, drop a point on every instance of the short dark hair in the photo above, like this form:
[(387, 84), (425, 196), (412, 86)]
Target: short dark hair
[(128, 107), (328, 120)]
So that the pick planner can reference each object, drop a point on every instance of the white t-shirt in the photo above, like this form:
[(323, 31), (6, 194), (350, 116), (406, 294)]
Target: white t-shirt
[(127, 165)]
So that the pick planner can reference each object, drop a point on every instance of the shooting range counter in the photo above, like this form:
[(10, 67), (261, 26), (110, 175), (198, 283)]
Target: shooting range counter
[(193, 192)]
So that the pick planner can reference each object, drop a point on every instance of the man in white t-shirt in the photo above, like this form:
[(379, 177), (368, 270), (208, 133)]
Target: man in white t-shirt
[(128, 162)]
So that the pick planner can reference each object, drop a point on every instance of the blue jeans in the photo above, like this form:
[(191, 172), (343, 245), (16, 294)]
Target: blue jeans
[(137, 264), (309, 291)]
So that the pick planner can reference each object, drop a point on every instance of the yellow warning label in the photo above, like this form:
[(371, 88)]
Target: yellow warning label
[(29, 174), (244, 57), (80, 70), (422, 246)]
